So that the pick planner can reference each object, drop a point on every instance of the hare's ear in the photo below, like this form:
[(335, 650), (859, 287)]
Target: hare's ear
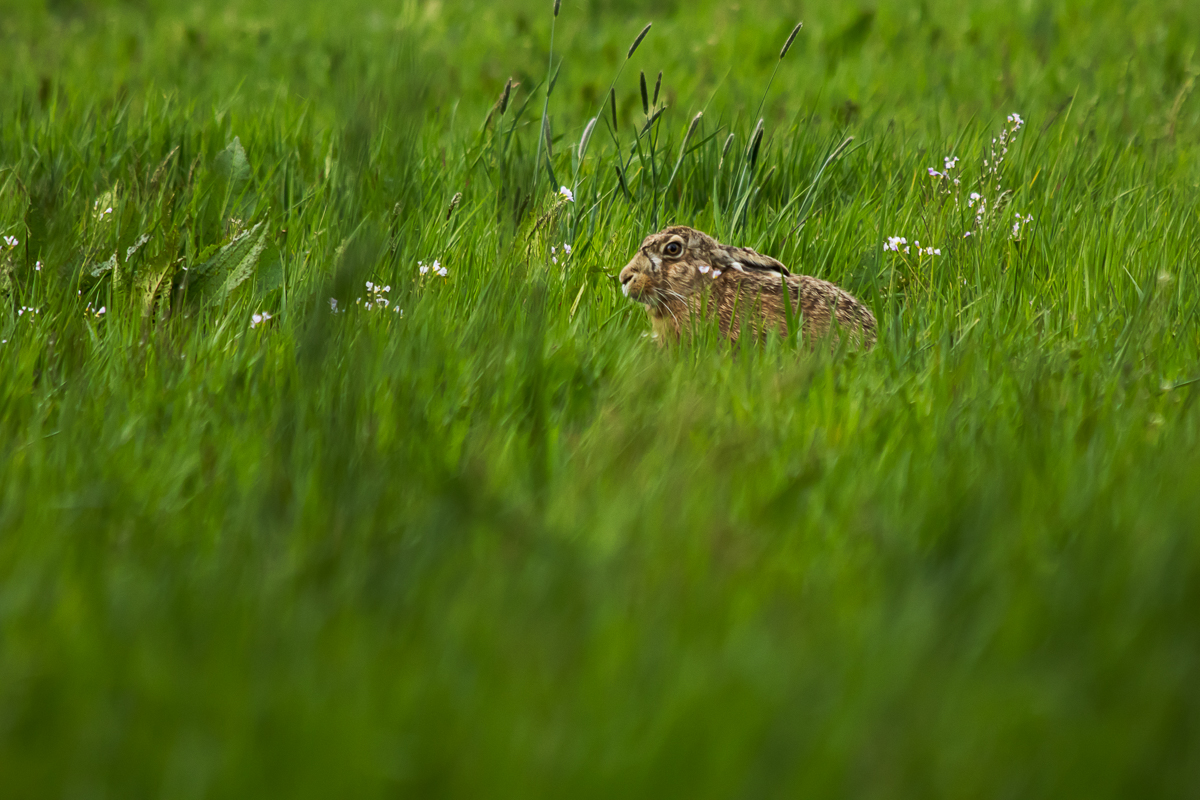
[(745, 259)]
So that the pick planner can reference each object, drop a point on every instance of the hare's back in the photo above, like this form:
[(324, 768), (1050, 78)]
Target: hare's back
[(821, 301)]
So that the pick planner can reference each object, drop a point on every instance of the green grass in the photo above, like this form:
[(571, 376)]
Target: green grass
[(503, 545)]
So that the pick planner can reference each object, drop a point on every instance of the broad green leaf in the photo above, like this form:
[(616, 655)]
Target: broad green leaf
[(231, 265)]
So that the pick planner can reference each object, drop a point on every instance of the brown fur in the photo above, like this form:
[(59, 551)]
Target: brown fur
[(736, 285)]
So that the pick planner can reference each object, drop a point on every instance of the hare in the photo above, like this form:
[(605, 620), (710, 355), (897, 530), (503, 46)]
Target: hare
[(680, 272)]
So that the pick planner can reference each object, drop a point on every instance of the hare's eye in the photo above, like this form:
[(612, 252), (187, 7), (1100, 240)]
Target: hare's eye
[(673, 248)]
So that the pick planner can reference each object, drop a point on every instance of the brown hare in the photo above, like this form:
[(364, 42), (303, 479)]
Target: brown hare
[(680, 272)]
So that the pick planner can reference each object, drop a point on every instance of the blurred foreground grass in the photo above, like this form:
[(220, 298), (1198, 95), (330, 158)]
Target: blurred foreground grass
[(484, 539)]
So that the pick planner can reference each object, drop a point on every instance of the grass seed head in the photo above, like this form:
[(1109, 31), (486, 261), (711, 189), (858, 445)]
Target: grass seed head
[(755, 138), (612, 104), (645, 97), (587, 135), (557, 3), (657, 86), (633, 47), (790, 39), (755, 141), (505, 95)]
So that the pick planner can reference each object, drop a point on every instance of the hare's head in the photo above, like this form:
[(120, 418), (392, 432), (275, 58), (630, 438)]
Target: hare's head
[(670, 263), (679, 261)]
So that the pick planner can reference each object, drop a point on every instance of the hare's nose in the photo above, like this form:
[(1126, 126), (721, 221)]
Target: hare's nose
[(626, 276)]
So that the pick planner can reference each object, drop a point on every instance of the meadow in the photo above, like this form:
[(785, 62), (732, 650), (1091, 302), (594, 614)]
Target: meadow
[(333, 462)]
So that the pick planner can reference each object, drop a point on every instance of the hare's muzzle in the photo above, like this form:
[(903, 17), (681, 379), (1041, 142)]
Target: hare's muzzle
[(632, 280)]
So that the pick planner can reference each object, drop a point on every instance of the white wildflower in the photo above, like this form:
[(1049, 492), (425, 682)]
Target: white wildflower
[(11, 241), (567, 193)]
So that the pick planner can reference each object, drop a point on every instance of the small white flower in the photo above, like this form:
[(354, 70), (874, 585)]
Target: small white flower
[(38, 266), (554, 259), (333, 305), (100, 313), (567, 249), (443, 272), (567, 193), (937, 252), (370, 286), (11, 241), (716, 274), (387, 288), (965, 235), (704, 268)]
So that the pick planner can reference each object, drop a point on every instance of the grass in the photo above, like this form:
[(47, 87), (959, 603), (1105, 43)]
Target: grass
[(500, 544)]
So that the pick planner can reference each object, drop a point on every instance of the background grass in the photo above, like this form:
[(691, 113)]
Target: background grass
[(502, 545)]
